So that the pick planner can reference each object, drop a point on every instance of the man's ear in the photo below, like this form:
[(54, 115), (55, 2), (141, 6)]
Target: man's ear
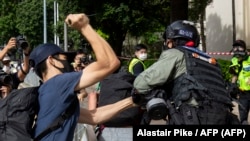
[(169, 43), (50, 60)]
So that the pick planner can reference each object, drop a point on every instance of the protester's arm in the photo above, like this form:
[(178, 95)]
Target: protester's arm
[(82, 94), (92, 100), (104, 113), (106, 60), (11, 44)]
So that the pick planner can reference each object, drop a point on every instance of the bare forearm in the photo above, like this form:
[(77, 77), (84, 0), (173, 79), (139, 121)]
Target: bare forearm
[(3, 52), (11, 44), (92, 100), (104, 113), (24, 69)]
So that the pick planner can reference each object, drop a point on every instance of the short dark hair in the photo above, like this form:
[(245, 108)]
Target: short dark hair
[(140, 46), (41, 67)]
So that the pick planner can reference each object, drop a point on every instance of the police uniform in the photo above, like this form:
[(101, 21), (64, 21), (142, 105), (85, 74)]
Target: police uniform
[(241, 69), (192, 81)]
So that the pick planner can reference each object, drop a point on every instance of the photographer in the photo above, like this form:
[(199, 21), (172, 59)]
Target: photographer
[(81, 60), (14, 44), (5, 84)]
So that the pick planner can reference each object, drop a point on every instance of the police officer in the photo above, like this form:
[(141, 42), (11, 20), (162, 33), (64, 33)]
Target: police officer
[(191, 79), (136, 65), (240, 69)]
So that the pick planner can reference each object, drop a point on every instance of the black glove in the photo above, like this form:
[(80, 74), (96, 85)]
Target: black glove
[(138, 99)]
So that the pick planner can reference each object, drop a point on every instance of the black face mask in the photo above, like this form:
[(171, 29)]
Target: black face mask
[(66, 64)]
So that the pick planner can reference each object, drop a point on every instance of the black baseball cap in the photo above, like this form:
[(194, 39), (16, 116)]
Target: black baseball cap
[(43, 51)]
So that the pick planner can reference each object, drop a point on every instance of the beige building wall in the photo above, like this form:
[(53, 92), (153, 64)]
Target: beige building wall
[(219, 25)]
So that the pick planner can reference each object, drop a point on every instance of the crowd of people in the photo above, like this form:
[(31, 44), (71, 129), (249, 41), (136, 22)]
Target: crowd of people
[(181, 75)]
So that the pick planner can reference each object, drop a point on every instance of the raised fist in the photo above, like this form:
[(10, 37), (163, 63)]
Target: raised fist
[(77, 21)]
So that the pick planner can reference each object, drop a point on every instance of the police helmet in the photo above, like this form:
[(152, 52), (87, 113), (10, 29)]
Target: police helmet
[(182, 29)]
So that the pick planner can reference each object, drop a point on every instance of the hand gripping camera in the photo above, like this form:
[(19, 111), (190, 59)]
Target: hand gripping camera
[(154, 102), (21, 42)]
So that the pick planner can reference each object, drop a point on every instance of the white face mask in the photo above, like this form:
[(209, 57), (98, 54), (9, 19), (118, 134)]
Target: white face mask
[(143, 56)]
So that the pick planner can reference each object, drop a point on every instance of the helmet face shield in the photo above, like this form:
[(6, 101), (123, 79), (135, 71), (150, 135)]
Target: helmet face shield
[(182, 29)]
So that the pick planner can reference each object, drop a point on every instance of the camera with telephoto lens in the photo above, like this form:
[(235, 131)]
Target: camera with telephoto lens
[(21, 42), (154, 102), (5, 79)]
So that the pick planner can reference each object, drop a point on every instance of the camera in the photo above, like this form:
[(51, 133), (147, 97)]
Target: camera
[(86, 60), (21, 42), (5, 79), (154, 102)]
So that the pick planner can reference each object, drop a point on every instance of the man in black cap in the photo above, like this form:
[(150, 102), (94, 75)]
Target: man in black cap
[(60, 83), (240, 69)]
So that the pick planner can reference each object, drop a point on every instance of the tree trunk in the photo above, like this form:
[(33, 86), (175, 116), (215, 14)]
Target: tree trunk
[(202, 34)]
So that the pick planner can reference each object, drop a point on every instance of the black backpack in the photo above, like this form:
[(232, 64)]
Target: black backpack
[(116, 87), (17, 114)]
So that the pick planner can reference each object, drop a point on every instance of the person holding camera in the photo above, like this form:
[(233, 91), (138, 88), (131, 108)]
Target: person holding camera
[(78, 64), (14, 44)]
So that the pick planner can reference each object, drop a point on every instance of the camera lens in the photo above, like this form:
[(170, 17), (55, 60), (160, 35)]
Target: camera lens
[(6, 80), (24, 45), (21, 42)]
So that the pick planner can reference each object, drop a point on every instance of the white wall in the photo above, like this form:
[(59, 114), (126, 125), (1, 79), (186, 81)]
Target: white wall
[(219, 25), (219, 30)]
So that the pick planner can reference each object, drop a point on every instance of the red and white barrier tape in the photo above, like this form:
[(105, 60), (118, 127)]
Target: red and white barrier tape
[(209, 53), (221, 53)]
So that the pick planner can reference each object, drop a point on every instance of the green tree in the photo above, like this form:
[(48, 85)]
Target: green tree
[(119, 18), (7, 20), (179, 10)]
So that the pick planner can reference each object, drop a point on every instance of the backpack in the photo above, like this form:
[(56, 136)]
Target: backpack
[(116, 87), (17, 114)]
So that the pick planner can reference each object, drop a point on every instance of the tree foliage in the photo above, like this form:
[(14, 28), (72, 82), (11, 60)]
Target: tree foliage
[(7, 20), (141, 19), (197, 8), (138, 18)]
